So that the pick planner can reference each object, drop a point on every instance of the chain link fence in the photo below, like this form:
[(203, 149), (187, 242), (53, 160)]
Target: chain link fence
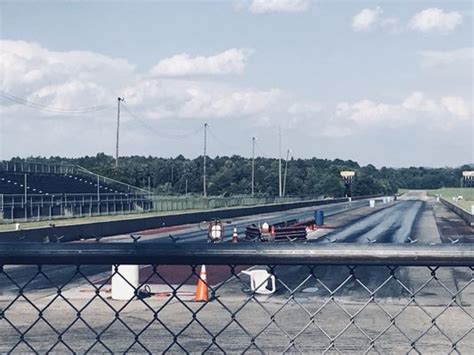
[(261, 299)]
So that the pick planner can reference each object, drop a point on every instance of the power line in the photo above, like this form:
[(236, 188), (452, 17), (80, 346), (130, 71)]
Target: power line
[(42, 107), (220, 141), (160, 133)]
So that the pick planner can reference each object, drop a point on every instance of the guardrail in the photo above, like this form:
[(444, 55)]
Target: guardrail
[(182, 203), (461, 212), (304, 298)]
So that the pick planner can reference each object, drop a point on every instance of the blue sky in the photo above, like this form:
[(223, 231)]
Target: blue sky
[(386, 82)]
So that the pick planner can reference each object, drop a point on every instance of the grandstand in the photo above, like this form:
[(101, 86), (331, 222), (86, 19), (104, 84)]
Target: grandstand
[(46, 191)]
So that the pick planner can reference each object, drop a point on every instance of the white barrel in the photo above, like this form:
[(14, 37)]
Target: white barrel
[(371, 203), (216, 232), (121, 289), (17, 226), (350, 199), (472, 209), (437, 198)]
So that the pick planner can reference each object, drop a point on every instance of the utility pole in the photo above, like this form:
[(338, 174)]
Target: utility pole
[(279, 163), (286, 169), (204, 189), (118, 130), (98, 188), (26, 190), (253, 166)]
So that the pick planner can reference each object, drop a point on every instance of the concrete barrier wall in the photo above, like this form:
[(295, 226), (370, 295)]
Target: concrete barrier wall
[(465, 215)]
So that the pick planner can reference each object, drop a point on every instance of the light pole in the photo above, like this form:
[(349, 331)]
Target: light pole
[(279, 163), (348, 176), (286, 169), (467, 179), (119, 99), (204, 189), (26, 190), (253, 166)]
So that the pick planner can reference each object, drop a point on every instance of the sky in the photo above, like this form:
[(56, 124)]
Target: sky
[(388, 83)]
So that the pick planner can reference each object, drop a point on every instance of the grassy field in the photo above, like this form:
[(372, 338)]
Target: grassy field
[(450, 192), (402, 191)]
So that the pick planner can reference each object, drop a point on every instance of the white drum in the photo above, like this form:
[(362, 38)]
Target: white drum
[(124, 290)]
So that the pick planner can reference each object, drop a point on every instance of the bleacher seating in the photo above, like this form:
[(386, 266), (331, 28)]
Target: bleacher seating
[(59, 194), (13, 183)]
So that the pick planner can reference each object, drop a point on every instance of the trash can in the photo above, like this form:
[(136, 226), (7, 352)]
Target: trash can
[(319, 217)]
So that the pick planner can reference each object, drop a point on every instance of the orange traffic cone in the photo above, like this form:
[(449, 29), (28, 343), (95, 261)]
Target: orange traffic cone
[(235, 236), (202, 294)]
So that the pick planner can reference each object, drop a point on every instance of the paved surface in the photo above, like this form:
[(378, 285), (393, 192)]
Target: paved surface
[(312, 308)]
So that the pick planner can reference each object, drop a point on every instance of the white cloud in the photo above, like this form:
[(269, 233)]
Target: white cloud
[(365, 112), (268, 6), (436, 20), (428, 20), (60, 79), (85, 79), (190, 99), (418, 102), (31, 63), (436, 59), (457, 106), (366, 19), (441, 113), (232, 61)]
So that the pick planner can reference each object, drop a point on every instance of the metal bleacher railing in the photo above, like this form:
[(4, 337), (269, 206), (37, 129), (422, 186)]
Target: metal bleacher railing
[(334, 298)]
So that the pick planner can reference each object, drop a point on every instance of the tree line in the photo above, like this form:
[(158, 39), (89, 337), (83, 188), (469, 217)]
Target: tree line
[(231, 176)]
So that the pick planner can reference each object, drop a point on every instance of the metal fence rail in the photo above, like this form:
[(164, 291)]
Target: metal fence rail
[(37, 207), (327, 299)]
